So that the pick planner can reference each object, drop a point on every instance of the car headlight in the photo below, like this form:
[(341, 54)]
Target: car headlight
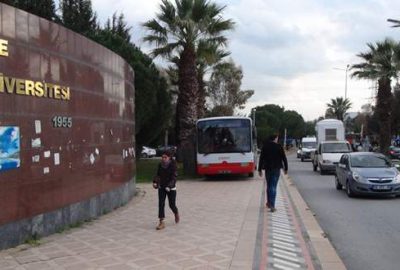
[(397, 178), (357, 177)]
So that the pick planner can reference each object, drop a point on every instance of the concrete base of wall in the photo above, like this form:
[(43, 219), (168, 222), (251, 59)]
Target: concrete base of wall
[(15, 233)]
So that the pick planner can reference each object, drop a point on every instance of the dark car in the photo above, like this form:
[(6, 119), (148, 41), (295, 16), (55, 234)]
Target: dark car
[(394, 152), (367, 173), (162, 149)]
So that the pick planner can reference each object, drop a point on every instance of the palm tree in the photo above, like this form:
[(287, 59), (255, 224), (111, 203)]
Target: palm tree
[(177, 31), (338, 107), (381, 64)]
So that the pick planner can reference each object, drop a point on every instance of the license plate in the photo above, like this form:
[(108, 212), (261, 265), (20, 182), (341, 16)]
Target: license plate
[(224, 171), (381, 188)]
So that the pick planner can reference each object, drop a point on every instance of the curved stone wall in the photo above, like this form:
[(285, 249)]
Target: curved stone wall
[(66, 127)]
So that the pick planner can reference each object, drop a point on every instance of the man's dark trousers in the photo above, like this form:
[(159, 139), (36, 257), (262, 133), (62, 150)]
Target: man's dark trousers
[(272, 178)]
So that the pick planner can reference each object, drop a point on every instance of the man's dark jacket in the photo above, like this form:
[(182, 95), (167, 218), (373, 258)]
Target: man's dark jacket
[(272, 157)]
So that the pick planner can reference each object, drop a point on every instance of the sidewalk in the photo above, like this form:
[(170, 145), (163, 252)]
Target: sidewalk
[(224, 225)]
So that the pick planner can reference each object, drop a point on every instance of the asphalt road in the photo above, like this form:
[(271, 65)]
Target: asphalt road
[(365, 231)]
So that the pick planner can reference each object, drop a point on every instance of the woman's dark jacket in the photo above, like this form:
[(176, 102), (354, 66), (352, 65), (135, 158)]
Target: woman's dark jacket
[(167, 176)]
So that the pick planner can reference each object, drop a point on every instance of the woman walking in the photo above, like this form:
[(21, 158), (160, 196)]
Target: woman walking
[(166, 184)]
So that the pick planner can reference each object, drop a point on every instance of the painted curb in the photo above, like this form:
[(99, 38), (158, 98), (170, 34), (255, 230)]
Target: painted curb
[(323, 249)]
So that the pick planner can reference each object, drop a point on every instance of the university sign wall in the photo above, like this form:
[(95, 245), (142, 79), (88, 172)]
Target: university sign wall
[(19, 86), (67, 133)]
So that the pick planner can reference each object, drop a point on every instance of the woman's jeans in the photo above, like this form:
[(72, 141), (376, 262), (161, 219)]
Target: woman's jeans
[(272, 178), (162, 194)]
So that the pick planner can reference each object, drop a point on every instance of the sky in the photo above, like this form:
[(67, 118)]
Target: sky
[(292, 53)]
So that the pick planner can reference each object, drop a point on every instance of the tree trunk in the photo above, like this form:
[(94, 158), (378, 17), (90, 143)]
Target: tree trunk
[(383, 106), (186, 111), (201, 102)]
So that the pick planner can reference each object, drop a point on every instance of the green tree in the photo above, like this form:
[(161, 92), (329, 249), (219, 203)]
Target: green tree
[(78, 16), (381, 63), (294, 124), (153, 107), (42, 8), (396, 110), (272, 118), (209, 55), (224, 90), (338, 107), (176, 31)]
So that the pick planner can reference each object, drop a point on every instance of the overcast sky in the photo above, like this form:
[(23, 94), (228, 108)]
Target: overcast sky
[(291, 52)]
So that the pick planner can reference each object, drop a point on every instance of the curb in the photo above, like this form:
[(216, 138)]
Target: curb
[(323, 249)]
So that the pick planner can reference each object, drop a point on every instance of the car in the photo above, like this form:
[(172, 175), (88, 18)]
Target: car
[(367, 173), (308, 146), (162, 149), (147, 152), (394, 152), (396, 163)]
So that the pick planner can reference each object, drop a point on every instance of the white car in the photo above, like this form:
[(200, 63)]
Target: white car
[(148, 152)]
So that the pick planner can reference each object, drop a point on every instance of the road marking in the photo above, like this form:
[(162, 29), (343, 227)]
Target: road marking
[(285, 252), (287, 263), (281, 267), (283, 243)]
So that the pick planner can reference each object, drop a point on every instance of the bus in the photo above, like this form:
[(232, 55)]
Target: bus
[(226, 145)]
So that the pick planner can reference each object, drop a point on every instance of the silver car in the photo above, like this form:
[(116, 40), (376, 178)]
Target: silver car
[(367, 173)]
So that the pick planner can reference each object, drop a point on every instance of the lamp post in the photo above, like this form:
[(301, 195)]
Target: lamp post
[(345, 80), (396, 23), (254, 116)]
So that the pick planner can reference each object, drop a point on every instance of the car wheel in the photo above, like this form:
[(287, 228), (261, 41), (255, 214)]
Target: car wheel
[(337, 183), (349, 191), (251, 174), (314, 167), (321, 171), (302, 159), (144, 155)]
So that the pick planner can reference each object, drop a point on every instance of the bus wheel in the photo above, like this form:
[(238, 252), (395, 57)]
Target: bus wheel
[(251, 174)]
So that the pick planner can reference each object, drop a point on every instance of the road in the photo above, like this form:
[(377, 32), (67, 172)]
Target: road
[(365, 231)]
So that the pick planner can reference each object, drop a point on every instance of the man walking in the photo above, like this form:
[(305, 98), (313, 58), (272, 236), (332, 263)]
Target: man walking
[(272, 160)]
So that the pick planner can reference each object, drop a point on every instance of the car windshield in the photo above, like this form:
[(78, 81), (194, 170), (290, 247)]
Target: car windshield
[(370, 161), (335, 148), (309, 144)]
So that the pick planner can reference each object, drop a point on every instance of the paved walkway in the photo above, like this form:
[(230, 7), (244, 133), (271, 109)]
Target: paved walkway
[(224, 225)]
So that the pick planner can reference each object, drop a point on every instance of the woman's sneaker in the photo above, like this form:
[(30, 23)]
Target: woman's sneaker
[(177, 218), (161, 225)]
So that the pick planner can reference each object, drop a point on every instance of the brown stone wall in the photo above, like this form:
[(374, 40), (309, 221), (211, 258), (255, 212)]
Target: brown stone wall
[(62, 165)]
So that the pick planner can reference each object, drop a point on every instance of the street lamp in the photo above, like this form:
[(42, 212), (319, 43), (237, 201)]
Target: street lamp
[(345, 80), (396, 23)]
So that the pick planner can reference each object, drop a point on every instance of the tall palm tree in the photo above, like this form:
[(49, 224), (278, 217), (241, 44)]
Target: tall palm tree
[(381, 63), (338, 107), (177, 31)]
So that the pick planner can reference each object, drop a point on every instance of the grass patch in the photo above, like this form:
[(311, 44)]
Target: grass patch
[(146, 169), (34, 240)]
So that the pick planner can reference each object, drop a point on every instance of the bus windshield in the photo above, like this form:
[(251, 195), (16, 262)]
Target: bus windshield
[(224, 136)]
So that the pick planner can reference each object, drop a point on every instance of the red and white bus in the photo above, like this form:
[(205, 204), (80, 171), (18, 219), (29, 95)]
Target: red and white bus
[(225, 145)]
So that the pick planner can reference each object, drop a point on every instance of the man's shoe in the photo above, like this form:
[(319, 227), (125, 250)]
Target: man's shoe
[(161, 225), (273, 209), (177, 218)]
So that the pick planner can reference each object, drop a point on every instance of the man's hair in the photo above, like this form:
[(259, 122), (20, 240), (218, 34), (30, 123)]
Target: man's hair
[(273, 136)]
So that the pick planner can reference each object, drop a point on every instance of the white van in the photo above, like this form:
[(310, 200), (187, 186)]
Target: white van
[(328, 155), (308, 145), (331, 145)]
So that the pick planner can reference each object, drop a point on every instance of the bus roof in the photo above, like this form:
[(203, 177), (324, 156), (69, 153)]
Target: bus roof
[(223, 118)]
